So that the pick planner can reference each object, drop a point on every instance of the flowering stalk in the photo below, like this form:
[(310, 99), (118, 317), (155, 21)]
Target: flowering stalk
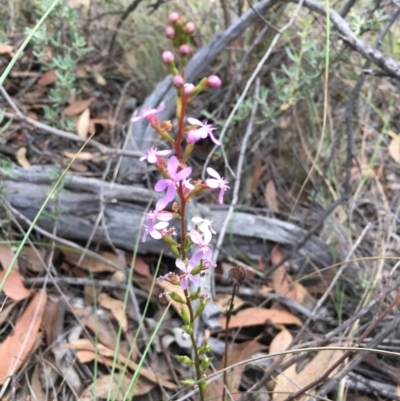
[(176, 183)]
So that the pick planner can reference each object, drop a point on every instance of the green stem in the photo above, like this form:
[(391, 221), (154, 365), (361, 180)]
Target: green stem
[(178, 146), (194, 344)]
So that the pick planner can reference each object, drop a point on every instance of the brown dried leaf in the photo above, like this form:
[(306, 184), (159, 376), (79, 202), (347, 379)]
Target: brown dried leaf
[(80, 156), (96, 265), (37, 393), (82, 124), (280, 342), (281, 281), (29, 259), (14, 286), (394, 148), (106, 355), (50, 316), (21, 157), (116, 307), (6, 49), (223, 300), (103, 383), (48, 78), (255, 180), (237, 353), (77, 107), (259, 316), (104, 329), (290, 381), (17, 346), (6, 257), (270, 196), (141, 267), (5, 311)]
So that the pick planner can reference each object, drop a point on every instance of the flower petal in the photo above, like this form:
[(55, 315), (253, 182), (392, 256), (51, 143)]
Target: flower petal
[(161, 185), (196, 237), (212, 183), (180, 264), (184, 283), (213, 173), (185, 173), (172, 165), (194, 121)]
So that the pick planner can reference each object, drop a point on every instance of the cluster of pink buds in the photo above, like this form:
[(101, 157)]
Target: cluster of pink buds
[(176, 183)]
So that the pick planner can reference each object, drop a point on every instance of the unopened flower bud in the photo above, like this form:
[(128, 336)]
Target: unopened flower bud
[(170, 32), (173, 17), (189, 27), (178, 81), (168, 57), (188, 88), (184, 49), (213, 82)]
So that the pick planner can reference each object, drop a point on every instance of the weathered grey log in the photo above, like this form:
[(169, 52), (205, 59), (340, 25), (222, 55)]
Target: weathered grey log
[(77, 206)]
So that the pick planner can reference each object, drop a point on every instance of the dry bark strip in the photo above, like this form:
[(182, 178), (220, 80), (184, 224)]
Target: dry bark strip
[(78, 204)]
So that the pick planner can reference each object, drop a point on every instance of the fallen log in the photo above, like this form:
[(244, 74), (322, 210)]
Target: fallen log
[(77, 206)]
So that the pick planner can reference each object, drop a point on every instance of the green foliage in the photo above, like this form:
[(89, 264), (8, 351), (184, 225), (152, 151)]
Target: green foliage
[(58, 46)]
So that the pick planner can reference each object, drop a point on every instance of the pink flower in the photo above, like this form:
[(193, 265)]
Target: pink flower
[(154, 155), (170, 183), (217, 182), (187, 187), (202, 132), (204, 252), (205, 227), (151, 227), (149, 114), (187, 270), (157, 231)]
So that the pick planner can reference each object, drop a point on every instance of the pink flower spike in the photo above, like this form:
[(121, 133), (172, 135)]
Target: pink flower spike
[(187, 270), (202, 132), (149, 114), (217, 182), (169, 184), (154, 155)]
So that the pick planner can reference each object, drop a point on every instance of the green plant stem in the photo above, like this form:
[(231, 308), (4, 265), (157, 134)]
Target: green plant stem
[(178, 143), (178, 146), (195, 349), (228, 319)]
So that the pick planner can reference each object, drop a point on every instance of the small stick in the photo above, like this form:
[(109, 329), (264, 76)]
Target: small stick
[(237, 275)]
